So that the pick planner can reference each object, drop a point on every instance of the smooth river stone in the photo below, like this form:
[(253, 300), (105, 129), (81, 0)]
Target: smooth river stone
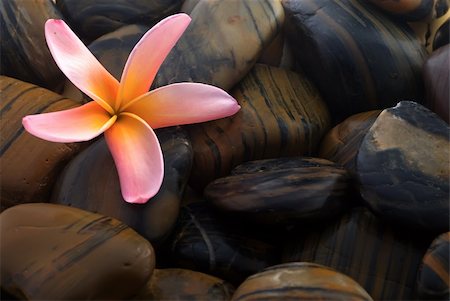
[(112, 51), (222, 43), (341, 143), (383, 260), (53, 252), (29, 165), (436, 74), (281, 114), (90, 182), (411, 10), (358, 57), (93, 18), (403, 166), (300, 281), (282, 191), (434, 275), (181, 284), (442, 35), (24, 52), (205, 242)]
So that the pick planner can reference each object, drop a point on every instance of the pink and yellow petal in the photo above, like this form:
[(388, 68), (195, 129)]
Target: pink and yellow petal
[(79, 64), (148, 55), (183, 103), (74, 125), (138, 158)]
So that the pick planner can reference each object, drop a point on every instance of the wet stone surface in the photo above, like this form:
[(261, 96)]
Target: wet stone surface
[(90, 182), (29, 165), (281, 114), (282, 191), (75, 254), (407, 180), (300, 281), (359, 36)]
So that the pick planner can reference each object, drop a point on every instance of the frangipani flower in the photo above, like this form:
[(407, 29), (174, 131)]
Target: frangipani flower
[(126, 112)]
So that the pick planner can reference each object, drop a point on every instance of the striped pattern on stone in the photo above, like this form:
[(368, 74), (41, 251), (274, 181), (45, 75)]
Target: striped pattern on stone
[(29, 165), (383, 260), (222, 43), (357, 56), (281, 115), (300, 281)]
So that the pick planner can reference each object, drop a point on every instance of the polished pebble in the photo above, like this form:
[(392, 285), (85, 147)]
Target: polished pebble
[(300, 281), (24, 52), (281, 114), (341, 143), (403, 166), (282, 191), (53, 252), (29, 165), (382, 259), (181, 284), (434, 274), (222, 43), (358, 58), (90, 182)]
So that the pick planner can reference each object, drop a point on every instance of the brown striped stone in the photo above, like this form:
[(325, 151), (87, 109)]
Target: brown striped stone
[(406, 9), (403, 166), (281, 115), (342, 142), (181, 284), (358, 57), (29, 165), (93, 18), (383, 260), (436, 74), (206, 242), (434, 276), (112, 51), (300, 281), (222, 43), (282, 191), (53, 252), (24, 52), (91, 182)]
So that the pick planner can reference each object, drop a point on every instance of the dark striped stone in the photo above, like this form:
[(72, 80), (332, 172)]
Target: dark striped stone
[(442, 35), (91, 182), (282, 191), (204, 241), (52, 252), (281, 115), (433, 279), (300, 281), (93, 18), (181, 284), (383, 260), (112, 51), (29, 165), (24, 52), (341, 143), (436, 74), (411, 10), (403, 166), (222, 43), (358, 57)]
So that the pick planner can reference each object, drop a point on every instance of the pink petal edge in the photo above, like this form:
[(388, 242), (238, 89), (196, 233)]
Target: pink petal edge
[(74, 125), (148, 55), (183, 103), (138, 158), (79, 64)]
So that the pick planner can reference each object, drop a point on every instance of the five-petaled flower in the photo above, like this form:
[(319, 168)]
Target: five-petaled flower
[(127, 112)]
